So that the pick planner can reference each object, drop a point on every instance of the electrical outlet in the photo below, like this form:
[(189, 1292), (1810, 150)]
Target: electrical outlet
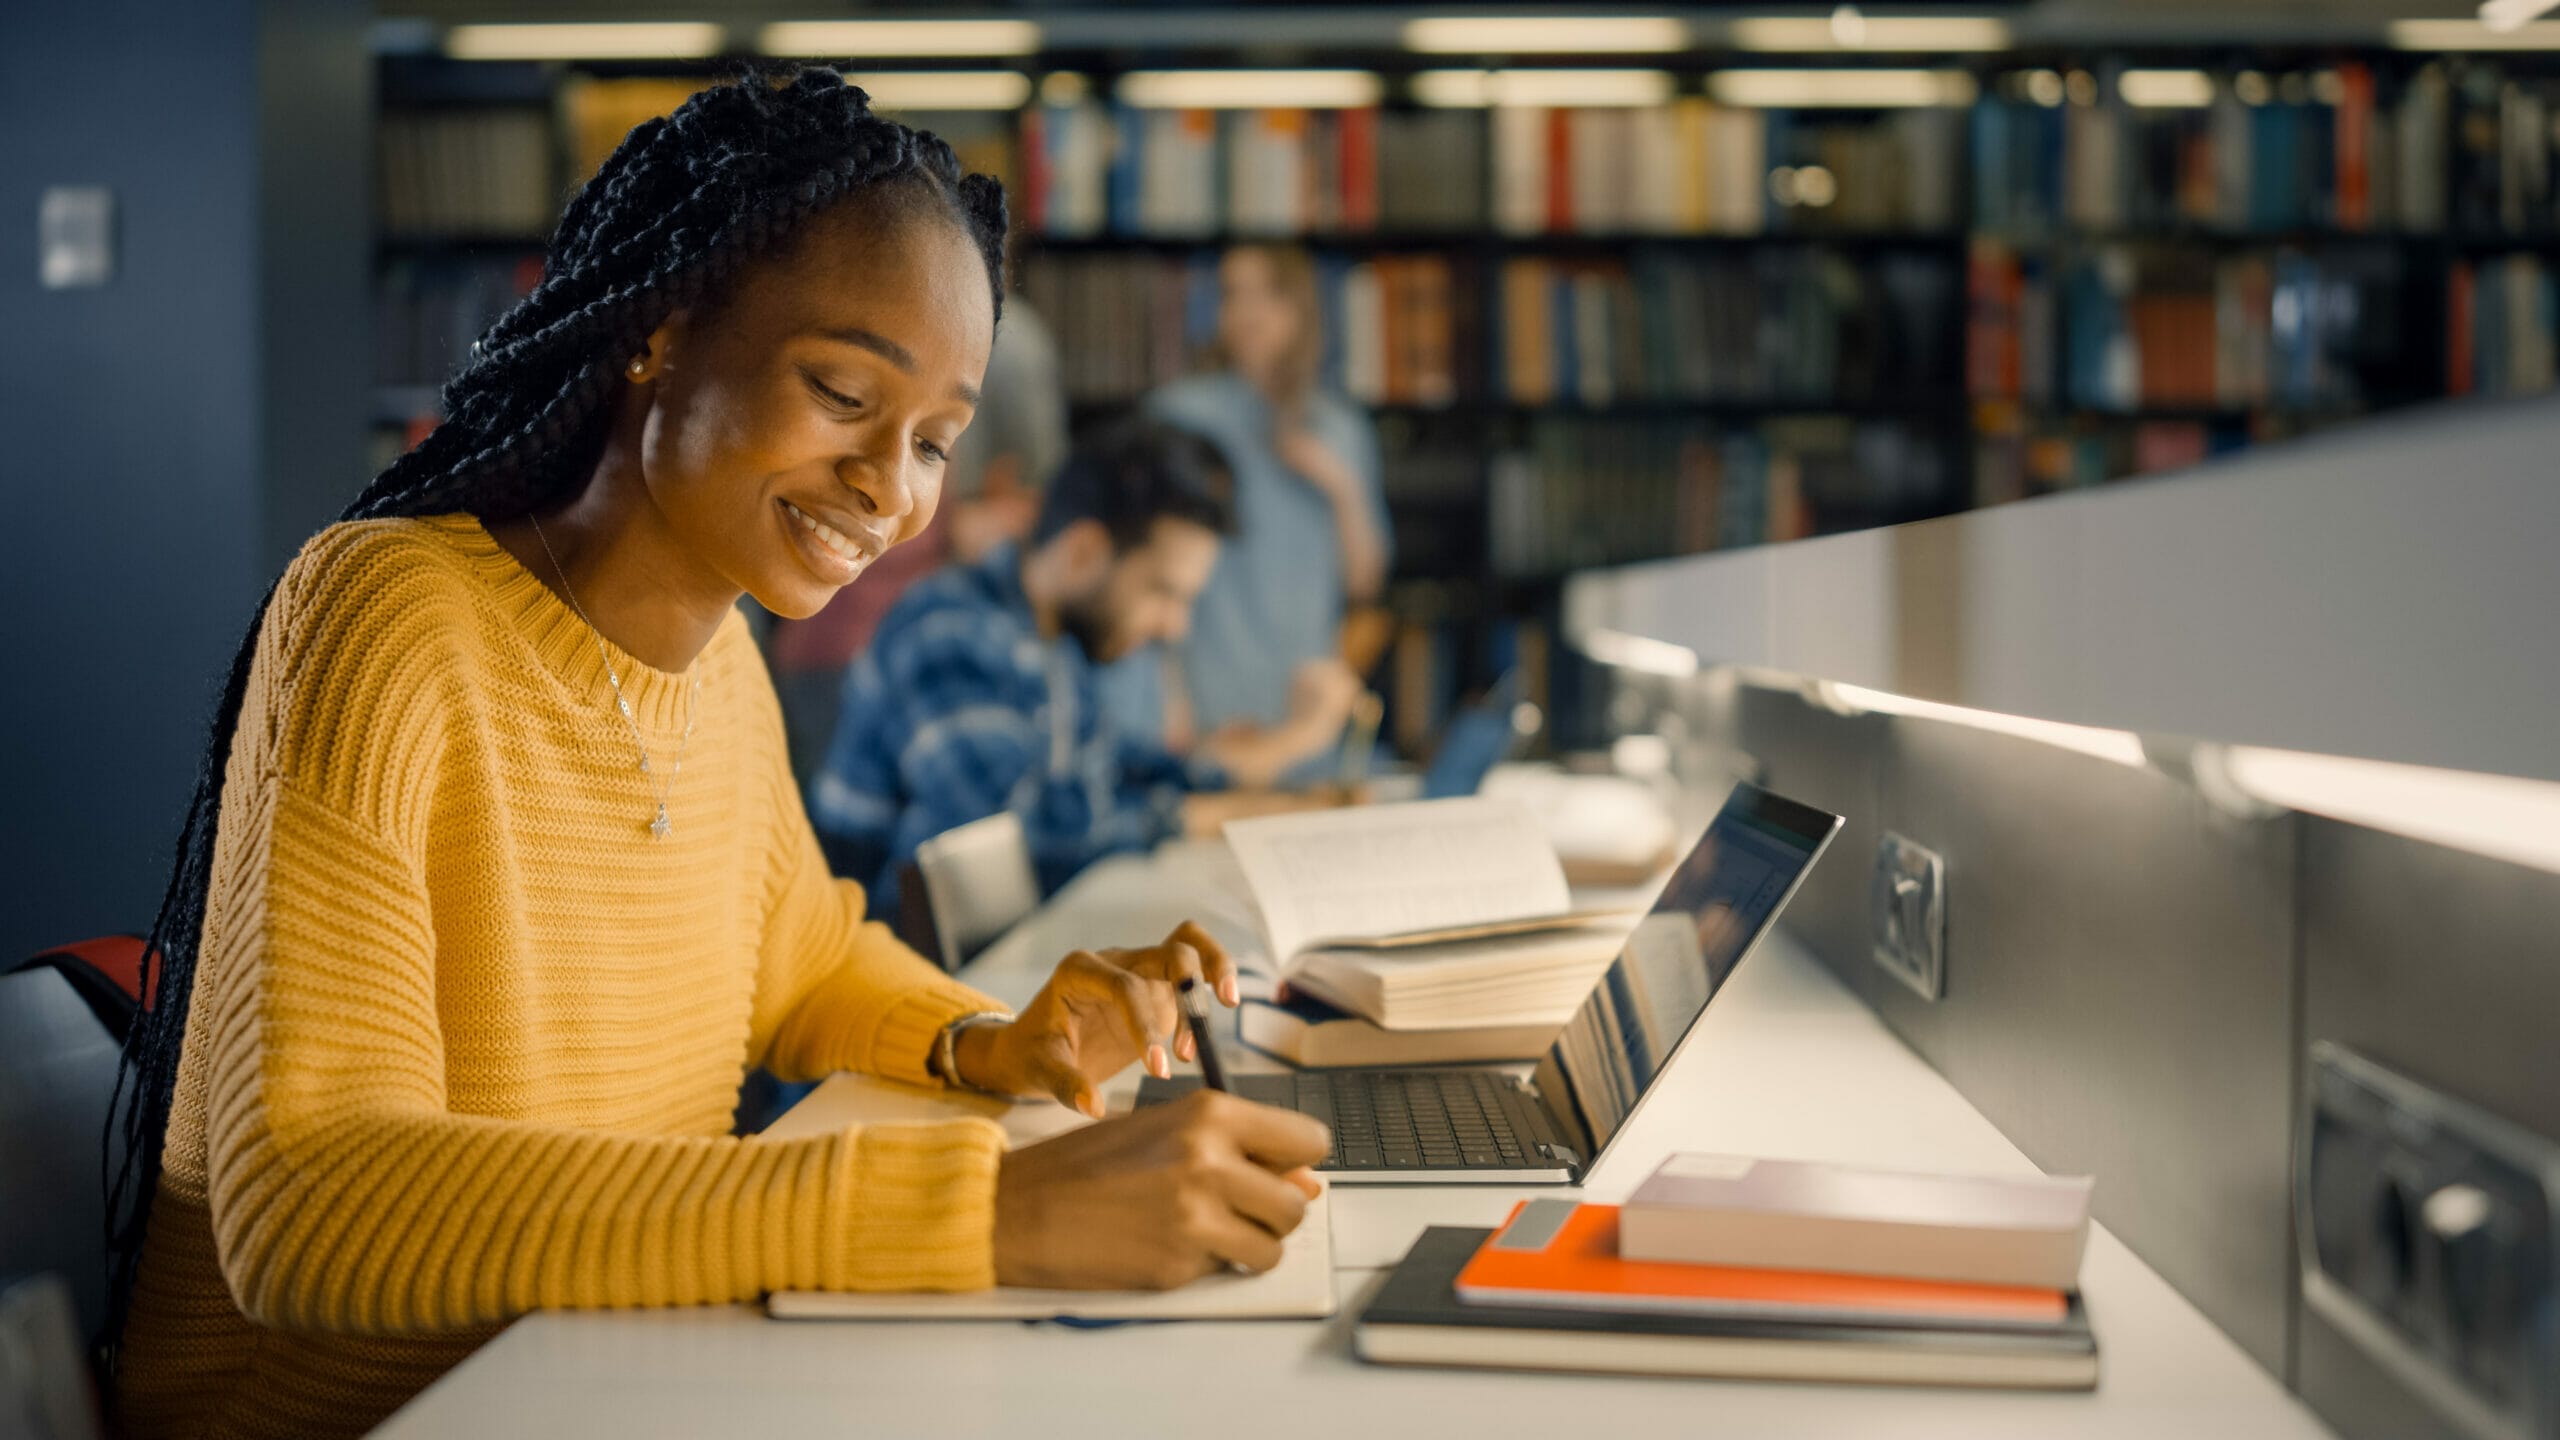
[(1907, 914), (2430, 1237), (76, 229)]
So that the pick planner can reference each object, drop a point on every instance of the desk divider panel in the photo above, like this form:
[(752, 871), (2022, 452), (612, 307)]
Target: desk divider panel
[(2135, 977), (2119, 995)]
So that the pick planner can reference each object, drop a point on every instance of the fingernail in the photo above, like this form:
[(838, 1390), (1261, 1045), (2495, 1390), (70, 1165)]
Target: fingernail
[(1157, 1065), (1185, 1048), (1228, 991)]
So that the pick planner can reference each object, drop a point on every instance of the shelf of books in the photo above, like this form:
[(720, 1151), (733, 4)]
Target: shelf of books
[(1598, 335)]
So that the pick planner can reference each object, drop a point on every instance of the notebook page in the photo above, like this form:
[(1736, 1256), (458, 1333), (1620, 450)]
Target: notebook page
[(1388, 869)]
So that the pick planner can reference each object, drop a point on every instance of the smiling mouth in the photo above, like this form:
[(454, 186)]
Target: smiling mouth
[(844, 547)]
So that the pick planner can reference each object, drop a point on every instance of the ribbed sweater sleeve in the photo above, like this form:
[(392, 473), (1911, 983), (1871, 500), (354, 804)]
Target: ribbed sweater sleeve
[(347, 1196), (836, 991)]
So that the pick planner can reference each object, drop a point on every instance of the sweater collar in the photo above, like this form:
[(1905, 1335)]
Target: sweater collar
[(567, 646)]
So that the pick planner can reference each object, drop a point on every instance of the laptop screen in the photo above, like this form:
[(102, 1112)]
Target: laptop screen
[(1716, 905), (1479, 738)]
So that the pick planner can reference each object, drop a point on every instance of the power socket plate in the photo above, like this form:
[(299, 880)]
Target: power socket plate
[(2430, 1238), (1907, 914)]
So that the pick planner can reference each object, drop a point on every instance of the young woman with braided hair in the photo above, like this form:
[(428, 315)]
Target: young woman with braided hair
[(495, 880)]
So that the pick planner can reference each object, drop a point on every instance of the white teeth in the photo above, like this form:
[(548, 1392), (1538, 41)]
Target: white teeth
[(843, 548)]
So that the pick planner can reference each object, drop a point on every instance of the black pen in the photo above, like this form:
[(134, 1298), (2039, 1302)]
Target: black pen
[(1195, 1009)]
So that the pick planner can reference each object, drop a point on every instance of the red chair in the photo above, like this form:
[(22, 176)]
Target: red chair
[(106, 973), (63, 1018)]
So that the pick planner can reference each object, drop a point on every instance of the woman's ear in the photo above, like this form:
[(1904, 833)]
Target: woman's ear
[(652, 360)]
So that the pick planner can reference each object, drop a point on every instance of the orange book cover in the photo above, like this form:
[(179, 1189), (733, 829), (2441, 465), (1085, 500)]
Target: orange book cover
[(1577, 1266), (2354, 138), (1358, 168), (1034, 174), (1395, 311), (2461, 297), (1560, 171), (1528, 348)]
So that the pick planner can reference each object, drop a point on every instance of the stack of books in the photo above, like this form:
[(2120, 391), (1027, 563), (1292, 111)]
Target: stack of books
[(1088, 168), (1762, 1269), (429, 308), (481, 172), (1584, 491), (2289, 153), (2125, 328), (2503, 326), (1429, 932)]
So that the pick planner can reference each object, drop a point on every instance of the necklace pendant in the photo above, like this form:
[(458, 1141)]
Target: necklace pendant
[(659, 827)]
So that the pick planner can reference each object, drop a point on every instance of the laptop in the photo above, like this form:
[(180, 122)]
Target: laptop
[(1480, 737), (1483, 1124)]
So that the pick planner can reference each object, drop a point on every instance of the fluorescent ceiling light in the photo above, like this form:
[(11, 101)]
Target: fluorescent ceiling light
[(2166, 89), (2121, 747), (1640, 652), (1249, 89), (1541, 35), (1804, 34), (879, 39), (2505, 15), (1460, 89), (946, 89), (2495, 815), (1841, 89), (2472, 35), (639, 40)]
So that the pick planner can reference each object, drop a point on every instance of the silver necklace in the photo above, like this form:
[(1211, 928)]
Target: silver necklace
[(660, 824)]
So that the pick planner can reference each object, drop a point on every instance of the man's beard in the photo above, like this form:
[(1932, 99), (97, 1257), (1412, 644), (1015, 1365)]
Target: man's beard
[(1085, 622)]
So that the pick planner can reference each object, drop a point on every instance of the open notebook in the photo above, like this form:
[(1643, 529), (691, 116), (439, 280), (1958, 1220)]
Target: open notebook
[(1299, 1288)]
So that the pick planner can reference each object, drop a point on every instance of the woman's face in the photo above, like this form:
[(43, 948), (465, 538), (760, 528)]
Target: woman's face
[(799, 429), (1256, 323)]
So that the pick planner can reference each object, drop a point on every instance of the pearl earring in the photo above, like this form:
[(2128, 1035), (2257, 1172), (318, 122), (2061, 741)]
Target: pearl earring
[(638, 368)]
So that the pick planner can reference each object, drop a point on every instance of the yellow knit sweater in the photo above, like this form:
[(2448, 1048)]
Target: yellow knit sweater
[(465, 1038)]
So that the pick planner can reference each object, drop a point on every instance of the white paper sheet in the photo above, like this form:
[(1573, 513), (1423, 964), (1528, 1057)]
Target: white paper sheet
[(1300, 1287)]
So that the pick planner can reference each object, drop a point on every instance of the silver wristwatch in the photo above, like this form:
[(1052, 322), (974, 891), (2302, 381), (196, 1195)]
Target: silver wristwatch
[(944, 1061)]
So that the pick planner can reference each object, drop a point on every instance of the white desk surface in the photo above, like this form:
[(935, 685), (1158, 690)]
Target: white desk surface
[(1785, 1063)]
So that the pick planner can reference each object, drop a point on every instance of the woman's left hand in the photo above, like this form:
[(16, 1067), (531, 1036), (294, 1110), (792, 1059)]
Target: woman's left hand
[(1099, 1011)]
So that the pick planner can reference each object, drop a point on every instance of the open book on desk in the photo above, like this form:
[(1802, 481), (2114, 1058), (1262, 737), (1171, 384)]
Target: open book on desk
[(1300, 1287), (1430, 915)]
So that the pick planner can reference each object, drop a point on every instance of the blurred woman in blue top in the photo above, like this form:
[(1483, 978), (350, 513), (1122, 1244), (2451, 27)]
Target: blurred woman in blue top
[(1311, 526)]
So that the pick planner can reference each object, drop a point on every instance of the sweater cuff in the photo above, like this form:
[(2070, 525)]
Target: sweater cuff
[(915, 1208), (905, 1039)]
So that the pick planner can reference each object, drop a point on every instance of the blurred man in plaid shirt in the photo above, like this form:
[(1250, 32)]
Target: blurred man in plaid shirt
[(978, 694)]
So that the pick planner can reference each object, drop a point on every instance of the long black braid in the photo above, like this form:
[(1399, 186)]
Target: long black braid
[(683, 204)]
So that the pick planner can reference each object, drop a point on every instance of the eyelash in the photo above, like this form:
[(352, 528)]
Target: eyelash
[(829, 394), (837, 400)]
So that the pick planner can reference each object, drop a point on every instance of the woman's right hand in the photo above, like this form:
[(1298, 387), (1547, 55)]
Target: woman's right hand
[(1157, 1198)]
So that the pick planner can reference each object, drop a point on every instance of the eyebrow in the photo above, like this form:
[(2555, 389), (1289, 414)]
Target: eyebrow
[(891, 351)]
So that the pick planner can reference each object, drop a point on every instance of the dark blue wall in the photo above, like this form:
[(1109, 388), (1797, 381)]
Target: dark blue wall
[(149, 457)]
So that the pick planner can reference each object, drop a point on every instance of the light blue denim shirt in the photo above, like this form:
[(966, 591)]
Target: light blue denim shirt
[(1275, 599)]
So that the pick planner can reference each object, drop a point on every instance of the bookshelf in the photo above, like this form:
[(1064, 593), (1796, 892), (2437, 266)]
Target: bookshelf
[(1594, 336)]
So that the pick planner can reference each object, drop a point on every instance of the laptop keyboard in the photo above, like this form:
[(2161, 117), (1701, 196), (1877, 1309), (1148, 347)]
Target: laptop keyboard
[(1423, 1120)]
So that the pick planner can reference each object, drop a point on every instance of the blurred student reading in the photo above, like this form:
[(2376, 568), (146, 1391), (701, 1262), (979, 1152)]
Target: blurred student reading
[(1311, 523), (979, 694)]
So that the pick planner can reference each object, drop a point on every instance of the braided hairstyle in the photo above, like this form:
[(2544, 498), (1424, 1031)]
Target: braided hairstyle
[(684, 204)]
